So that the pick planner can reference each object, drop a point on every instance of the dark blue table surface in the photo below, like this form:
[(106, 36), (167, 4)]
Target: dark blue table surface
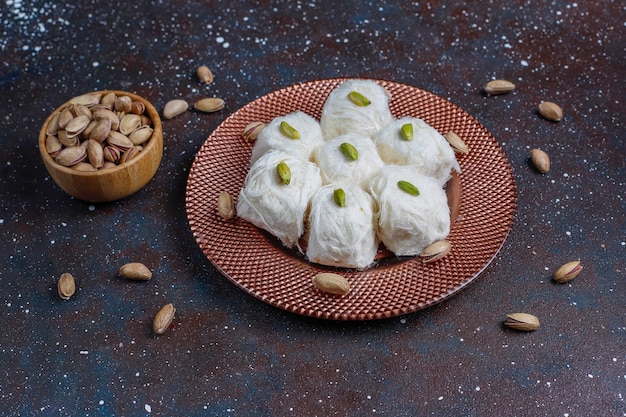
[(229, 354)]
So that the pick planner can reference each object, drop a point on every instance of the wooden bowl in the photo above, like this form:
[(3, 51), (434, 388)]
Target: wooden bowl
[(112, 183)]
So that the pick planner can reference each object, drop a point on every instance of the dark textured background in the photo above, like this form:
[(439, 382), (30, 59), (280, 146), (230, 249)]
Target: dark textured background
[(228, 353)]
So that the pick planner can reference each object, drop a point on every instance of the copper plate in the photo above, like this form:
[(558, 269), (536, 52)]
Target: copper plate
[(259, 265)]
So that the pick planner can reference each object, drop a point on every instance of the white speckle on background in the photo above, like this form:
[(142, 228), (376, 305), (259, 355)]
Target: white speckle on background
[(524, 63), (148, 408)]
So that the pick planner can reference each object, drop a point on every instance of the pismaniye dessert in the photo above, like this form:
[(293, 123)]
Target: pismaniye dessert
[(357, 182)]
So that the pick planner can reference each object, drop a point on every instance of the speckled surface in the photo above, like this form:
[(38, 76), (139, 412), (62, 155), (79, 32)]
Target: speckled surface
[(228, 353)]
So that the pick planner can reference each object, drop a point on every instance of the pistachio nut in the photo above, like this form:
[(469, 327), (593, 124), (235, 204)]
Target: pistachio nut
[(289, 131), (331, 283), (118, 140), (551, 111), (70, 156), (174, 108), (522, 321), (284, 172), (100, 130), (204, 74), (568, 272), (95, 153), (66, 286), (83, 167), (87, 99), (252, 130), (135, 271), (137, 107), (496, 87), (123, 104), (339, 196), (163, 318), (349, 151), (409, 188), (77, 125), (456, 143), (436, 251), (141, 135), (209, 105), (359, 99), (129, 123), (226, 205), (406, 131), (540, 159)]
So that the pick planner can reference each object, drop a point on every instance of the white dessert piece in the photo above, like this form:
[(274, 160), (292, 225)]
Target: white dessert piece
[(408, 223), (342, 236), (272, 137), (337, 167), (428, 151), (341, 114), (270, 204)]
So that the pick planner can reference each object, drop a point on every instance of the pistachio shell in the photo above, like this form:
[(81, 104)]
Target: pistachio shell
[(88, 99), (436, 251), (107, 114), (522, 321), (66, 286), (53, 125), (123, 104), (71, 156), (137, 107), (129, 123), (209, 105), (65, 117), (568, 272), (67, 140), (204, 74), (101, 130), (174, 108), (83, 167), (130, 153), (135, 271), (226, 205), (252, 130), (541, 160), (499, 87), (551, 111), (112, 154), (109, 99), (119, 140), (53, 144), (456, 143), (331, 283), (141, 135), (95, 153), (163, 319)]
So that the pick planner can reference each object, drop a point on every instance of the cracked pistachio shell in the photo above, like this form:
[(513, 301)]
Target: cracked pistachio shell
[(436, 251), (568, 272), (252, 130), (522, 321), (66, 286), (226, 205), (456, 143), (174, 108)]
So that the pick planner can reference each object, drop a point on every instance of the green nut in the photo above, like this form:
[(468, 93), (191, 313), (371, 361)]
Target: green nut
[(340, 197), (409, 188), (289, 131), (359, 99), (407, 131), (284, 172), (349, 151)]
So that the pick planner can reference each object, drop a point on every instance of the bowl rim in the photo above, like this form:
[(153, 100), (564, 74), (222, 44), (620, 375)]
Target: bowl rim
[(151, 143)]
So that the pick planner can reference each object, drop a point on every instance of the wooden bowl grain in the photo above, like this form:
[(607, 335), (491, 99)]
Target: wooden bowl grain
[(113, 183)]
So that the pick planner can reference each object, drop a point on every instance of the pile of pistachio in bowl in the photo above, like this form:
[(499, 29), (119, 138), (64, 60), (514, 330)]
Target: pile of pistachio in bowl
[(97, 131)]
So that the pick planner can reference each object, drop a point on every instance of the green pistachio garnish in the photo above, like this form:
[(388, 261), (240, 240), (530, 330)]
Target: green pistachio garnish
[(284, 172), (407, 131), (289, 131), (349, 151), (359, 99), (340, 197), (409, 188)]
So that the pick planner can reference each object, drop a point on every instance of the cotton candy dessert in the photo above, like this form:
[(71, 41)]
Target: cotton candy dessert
[(356, 106), (412, 209), (297, 134), (276, 194), (411, 141), (341, 229), (349, 158)]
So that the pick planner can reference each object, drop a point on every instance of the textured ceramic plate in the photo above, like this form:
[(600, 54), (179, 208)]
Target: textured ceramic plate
[(258, 264)]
